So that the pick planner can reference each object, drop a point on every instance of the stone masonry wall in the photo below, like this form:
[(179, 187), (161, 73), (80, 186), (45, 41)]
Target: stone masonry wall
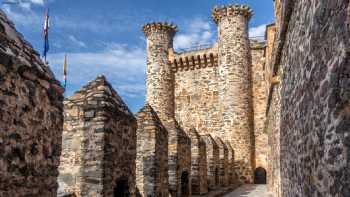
[(315, 117), (199, 177), (152, 154), (259, 103), (99, 152), (31, 118), (196, 93), (212, 161), (235, 90)]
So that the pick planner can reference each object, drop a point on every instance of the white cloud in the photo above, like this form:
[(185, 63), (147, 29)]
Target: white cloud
[(258, 32), (38, 2), (76, 42), (24, 17), (124, 68), (198, 32)]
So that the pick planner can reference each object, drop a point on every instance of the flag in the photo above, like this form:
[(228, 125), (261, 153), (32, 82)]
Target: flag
[(46, 34), (65, 65)]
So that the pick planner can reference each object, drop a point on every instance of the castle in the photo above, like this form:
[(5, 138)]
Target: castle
[(236, 113)]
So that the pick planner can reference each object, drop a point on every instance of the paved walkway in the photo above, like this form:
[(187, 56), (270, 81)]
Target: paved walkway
[(249, 191)]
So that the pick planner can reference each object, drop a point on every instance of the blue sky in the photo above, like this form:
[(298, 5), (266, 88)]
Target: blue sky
[(104, 36)]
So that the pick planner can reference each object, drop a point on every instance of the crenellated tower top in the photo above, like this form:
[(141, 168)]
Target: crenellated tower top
[(160, 27), (231, 10)]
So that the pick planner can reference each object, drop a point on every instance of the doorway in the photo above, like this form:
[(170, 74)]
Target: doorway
[(122, 188), (260, 176), (185, 190)]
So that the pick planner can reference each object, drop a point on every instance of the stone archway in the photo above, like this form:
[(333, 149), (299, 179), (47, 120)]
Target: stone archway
[(185, 185), (260, 176), (122, 188)]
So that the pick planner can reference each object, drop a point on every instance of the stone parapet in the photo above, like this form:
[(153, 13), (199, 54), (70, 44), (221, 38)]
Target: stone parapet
[(159, 27), (231, 11), (195, 59)]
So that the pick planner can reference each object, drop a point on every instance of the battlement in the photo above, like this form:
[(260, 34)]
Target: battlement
[(159, 27), (231, 10), (203, 58), (192, 60)]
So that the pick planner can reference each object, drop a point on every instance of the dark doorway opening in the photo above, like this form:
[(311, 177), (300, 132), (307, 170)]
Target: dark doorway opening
[(122, 188), (185, 189), (260, 176)]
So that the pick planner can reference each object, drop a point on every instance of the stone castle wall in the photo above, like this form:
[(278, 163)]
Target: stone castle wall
[(259, 103), (99, 151), (197, 93), (315, 96), (30, 118)]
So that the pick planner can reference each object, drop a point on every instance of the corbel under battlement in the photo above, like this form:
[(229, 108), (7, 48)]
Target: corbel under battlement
[(192, 60)]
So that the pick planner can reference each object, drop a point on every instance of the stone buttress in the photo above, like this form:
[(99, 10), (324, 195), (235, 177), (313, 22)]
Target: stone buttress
[(198, 163), (223, 163), (152, 154), (232, 178), (160, 96), (99, 143), (235, 91), (212, 161), (30, 118)]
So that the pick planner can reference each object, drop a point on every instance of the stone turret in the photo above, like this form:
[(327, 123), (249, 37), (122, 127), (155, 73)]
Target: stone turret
[(235, 95), (160, 96), (160, 78)]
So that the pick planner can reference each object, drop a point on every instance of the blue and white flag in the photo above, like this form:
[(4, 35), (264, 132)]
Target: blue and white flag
[(46, 34)]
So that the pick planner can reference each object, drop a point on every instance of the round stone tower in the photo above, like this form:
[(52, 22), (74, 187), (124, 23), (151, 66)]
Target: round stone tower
[(235, 94), (160, 96), (160, 78)]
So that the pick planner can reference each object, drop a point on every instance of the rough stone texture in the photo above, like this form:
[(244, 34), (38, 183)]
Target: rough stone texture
[(196, 90), (30, 118), (212, 161), (223, 162), (315, 117), (160, 95), (152, 154), (273, 111), (199, 170), (259, 103), (232, 176), (273, 129), (235, 89), (99, 137)]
